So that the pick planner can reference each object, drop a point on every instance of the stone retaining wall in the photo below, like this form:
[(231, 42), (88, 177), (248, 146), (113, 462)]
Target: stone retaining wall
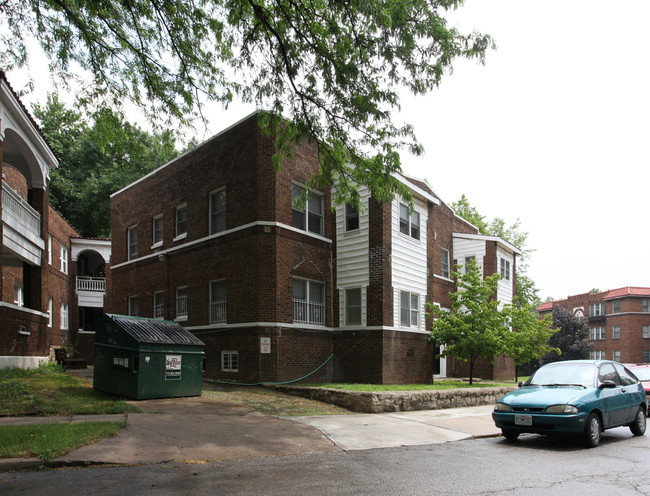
[(400, 401)]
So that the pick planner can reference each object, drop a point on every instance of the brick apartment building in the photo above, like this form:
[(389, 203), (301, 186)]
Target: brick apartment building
[(618, 320), (213, 240), (47, 295)]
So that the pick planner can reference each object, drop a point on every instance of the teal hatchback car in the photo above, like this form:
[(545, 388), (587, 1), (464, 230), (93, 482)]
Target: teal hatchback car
[(582, 397)]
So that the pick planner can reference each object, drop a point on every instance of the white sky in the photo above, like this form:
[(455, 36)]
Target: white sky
[(553, 130)]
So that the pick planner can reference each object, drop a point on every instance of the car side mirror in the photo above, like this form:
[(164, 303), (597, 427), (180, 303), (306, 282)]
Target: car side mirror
[(607, 385), (521, 384)]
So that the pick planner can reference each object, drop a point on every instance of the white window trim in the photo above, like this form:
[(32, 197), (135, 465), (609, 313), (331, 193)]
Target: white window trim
[(345, 317), (64, 259), (49, 249), (50, 311), (305, 209), (448, 276), (129, 230), (65, 324), (231, 368), (212, 229), (411, 309), (130, 301), (183, 235), (155, 315), (180, 317), (156, 244)]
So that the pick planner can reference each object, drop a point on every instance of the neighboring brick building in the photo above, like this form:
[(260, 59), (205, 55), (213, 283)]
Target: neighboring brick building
[(214, 241), (42, 255), (618, 320)]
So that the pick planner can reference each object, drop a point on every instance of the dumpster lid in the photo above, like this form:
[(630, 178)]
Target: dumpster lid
[(155, 331)]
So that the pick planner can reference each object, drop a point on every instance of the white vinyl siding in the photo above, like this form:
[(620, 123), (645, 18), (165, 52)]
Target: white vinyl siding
[(409, 264), (352, 265), (466, 248), (504, 289)]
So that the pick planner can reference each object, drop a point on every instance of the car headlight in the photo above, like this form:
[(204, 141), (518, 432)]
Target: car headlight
[(561, 409), (501, 407)]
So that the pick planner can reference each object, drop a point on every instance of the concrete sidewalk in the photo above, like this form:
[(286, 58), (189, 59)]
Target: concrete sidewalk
[(197, 430)]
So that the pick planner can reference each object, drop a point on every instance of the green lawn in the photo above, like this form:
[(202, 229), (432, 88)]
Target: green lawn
[(46, 441), (49, 390), (446, 384)]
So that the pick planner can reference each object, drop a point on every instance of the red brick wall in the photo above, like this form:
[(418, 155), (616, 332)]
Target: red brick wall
[(631, 319)]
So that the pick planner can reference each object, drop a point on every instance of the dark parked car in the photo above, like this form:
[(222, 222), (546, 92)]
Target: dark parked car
[(642, 371), (582, 397)]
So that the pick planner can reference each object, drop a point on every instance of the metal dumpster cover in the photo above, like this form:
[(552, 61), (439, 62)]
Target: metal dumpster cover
[(156, 331)]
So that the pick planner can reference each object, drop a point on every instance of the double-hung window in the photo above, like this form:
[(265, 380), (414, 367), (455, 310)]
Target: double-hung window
[(409, 223), (351, 218), (181, 220), (218, 302), (616, 332), (646, 333), (409, 309), (133, 306), (616, 306), (353, 306), (64, 259), (505, 269), (646, 305), (132, 241), (158, 305), (19, 298), (468, 262), (157, 230), (50, 311), (307, 217), (308, 302), (181, 303), (444, 262), (217, 211), (596, 309), (64, 316), (597, 333)]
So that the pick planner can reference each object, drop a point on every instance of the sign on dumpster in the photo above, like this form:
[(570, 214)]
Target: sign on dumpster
[(172, 367)]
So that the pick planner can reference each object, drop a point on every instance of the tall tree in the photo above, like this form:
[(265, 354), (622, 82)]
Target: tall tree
[(526, 293), (475, 326), (92, 167), (333, 68), (529, 335), (571, 341)]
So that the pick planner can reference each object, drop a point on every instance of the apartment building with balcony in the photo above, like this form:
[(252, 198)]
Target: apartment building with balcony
[(41, 253), (618, 321), (215, 241)]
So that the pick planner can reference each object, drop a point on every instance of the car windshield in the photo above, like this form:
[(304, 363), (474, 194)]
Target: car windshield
[(564, 374), (642, 373)]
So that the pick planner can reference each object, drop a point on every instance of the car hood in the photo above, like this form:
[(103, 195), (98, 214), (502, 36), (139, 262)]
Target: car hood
[(542, 396)]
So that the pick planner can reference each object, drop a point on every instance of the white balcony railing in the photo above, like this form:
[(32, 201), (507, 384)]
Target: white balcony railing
[(308, 312), (218, 312), (85, 283), (21, 212)]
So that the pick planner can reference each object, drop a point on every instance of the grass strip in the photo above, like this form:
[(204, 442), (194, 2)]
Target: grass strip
[(47, 441), (408, 387)]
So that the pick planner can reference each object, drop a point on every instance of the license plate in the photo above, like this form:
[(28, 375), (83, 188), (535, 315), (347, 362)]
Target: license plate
[(523, 420)]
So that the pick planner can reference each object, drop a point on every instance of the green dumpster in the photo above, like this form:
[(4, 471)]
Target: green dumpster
[(141, 358)]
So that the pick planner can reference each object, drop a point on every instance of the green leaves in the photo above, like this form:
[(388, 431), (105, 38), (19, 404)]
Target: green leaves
[(335, 69), (97, 159)]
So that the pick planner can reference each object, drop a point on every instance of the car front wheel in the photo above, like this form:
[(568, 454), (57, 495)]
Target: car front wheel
[(638, 426), (592, 432)]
